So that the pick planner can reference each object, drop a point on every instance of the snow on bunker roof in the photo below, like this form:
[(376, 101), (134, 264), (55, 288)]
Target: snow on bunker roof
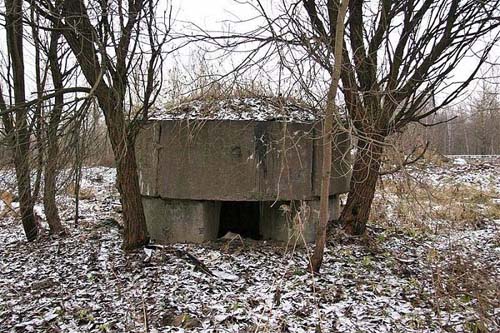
[(239, 108)]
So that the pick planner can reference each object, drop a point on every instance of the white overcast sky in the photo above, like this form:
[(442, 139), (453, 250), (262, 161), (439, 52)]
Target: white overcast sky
[(216, 15), (207, 12), (210, 14), (213, 15)]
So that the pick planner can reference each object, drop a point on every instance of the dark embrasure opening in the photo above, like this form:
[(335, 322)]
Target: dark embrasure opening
[(240, 217)]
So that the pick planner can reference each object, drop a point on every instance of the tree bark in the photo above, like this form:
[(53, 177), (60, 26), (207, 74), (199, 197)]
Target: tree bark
[(38, 120), (135, 231), (366, 170), (21, 149), (50, 181), (122, 137), (317, 257), (50, 188)]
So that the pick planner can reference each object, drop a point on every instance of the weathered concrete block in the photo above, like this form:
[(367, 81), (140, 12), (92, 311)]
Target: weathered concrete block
[(294, 221), (181, 220), (273, 223), (341, 163), (285, 160), (147, 161), (237, 160)]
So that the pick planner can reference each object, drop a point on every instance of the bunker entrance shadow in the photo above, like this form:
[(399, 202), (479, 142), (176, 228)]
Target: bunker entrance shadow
[(240, 217)]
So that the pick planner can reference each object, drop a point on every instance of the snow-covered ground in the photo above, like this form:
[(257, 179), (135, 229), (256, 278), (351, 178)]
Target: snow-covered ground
[(394, 280)]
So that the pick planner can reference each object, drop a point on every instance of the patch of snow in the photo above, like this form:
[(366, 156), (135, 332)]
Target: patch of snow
[(258, 109), (225, 276)]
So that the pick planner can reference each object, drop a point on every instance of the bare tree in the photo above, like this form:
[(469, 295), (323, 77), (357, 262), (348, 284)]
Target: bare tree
[(37, 122), (48, 103), (50, 59), (115, 42), (15, 117), (396, 56), (394, 61), (469, 127)]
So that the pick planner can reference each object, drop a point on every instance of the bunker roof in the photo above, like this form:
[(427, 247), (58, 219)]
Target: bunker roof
[(240, 108)]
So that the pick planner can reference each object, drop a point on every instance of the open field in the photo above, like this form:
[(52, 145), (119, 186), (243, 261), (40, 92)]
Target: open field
[(430, 263)]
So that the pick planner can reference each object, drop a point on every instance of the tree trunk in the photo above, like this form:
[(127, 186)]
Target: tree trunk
[(330, 112), (49, 189), (38, 119), (50, 180), (14, 29), (319, 248), (122, 139), (111, 100), (135, 231), (39, 159), (21, 163), (365, 174)]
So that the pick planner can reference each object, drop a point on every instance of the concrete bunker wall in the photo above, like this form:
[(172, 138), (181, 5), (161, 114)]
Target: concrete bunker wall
[(196, 221), (191, 171)]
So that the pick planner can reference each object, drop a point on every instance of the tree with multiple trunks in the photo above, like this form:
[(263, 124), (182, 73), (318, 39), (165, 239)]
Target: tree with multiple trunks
[(397, 55), (118, 46)]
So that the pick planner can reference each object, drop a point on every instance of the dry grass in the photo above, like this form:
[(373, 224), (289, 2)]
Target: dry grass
[(406, 203), (466, 281), (460, 277), (7, 198)]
